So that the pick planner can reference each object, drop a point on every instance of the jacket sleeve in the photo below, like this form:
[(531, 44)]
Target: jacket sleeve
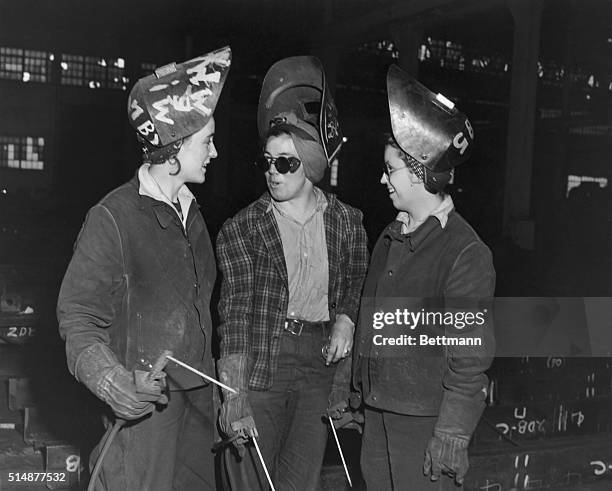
[(470, 287), (235, 258), (92, 287), (357, 250)]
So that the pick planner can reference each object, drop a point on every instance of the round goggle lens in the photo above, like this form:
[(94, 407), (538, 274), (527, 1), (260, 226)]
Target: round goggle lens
[(282, 164)]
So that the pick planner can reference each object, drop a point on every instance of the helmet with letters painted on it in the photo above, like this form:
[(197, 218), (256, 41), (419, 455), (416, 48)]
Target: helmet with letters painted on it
[(296, 87), (176, 101), (430, 130)]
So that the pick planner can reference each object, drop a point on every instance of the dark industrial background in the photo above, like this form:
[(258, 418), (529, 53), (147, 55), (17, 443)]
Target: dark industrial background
[(534, 76)]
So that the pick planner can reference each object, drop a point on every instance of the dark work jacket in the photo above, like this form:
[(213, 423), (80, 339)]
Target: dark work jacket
[(140, 284), (434, 263)]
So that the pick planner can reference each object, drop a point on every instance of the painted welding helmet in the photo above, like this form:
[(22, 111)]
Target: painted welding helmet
[(295, 88), (428, 127), (177, 100)]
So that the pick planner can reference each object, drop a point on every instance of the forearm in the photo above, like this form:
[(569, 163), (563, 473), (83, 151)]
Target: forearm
[(469, 288), (236, 304), (93, 286)]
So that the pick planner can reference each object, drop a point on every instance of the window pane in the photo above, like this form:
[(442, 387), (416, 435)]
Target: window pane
[(37, 66), (116, 74), (22, 152), (72, 70), (95, 72), (11, 63)]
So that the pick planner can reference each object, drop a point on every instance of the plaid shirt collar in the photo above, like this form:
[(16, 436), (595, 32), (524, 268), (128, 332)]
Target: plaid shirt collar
[(321, 204), (324, 200)]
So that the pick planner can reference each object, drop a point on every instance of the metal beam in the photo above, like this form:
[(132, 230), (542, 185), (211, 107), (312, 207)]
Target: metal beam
[(378, 21)]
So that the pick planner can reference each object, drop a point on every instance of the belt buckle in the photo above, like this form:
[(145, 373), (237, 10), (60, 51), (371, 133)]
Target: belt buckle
[(294, 326)]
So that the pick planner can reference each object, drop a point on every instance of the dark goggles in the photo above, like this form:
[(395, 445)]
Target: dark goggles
[(282, 164)]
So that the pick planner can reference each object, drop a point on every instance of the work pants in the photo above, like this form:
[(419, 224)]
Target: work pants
[(167, 450), (393, 452), (289, 419)]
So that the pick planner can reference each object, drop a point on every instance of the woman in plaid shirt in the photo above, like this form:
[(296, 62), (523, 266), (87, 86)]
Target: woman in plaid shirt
[(293, 264)]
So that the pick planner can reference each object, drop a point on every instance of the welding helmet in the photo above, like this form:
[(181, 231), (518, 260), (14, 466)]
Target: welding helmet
[(177, 100), (295, 88), (428, 128)]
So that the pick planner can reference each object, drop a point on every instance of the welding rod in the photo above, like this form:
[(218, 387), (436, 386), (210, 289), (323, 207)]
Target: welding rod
[(348, 476), (263, 463), (203, 375)]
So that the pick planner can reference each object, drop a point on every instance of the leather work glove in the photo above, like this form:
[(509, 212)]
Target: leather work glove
[(146, 384), (447, 450), (346, 418), (338, 409), (236, 416), (446, 454), (99, 370)]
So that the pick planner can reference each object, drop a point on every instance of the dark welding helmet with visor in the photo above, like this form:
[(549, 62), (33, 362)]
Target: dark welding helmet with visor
[(295, 89), (177, 101), (428, 128)]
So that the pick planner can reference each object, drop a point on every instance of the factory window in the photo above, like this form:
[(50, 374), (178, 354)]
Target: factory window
[(25, 65), (72, 70), (37, 66), (11, 63), (384, 48), (22, 152), (116, 74), (94, 72), (455, 56)]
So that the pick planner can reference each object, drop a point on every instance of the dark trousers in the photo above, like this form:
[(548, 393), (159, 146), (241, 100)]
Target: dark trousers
[(168, 450), (393, 452), (292, 433)]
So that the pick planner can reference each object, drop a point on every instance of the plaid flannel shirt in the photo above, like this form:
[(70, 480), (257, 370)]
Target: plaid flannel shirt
[(254, 291)]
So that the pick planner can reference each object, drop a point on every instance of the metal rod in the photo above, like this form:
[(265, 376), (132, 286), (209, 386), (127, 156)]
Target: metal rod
[(348, 476), (203, 375), (263, 463)]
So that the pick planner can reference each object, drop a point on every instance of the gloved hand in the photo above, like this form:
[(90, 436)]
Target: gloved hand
[(459, 414), (151, 384), (338, 410), (446, 454), (99, 370), (346, 419), (236, 416)]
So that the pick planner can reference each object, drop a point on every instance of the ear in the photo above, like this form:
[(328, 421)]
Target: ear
[(179, 143)]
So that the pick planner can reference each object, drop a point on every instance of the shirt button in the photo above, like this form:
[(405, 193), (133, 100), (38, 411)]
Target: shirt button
[(374, 398), (390, 272)]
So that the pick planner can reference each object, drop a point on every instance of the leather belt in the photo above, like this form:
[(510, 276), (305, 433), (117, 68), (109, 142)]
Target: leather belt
[(296, 326)]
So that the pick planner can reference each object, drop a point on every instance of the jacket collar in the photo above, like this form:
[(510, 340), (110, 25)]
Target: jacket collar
[(321, 204), (415, 238), (440, 212), (264, 204), (147, 186)]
